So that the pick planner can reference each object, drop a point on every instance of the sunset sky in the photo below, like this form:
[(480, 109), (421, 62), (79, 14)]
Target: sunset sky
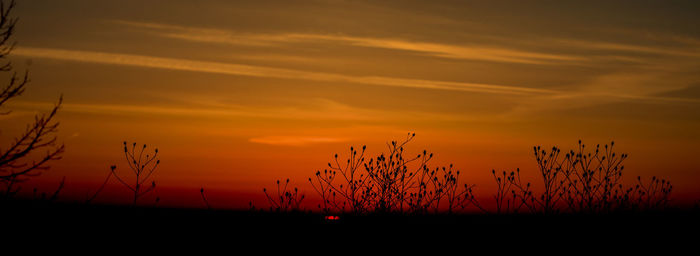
[(237, 94)]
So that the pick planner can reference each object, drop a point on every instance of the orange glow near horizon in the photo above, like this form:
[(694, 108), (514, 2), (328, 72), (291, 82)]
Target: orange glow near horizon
[(239, 95)]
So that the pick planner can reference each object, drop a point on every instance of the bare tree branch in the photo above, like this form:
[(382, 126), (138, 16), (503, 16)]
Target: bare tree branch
[(20, 159)]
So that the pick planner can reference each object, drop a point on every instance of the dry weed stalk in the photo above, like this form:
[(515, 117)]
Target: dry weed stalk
[(142, 167), (582, 182), (390, 183), (285, 200)]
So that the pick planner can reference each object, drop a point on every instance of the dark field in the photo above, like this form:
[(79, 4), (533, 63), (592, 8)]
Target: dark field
[(88, 221)]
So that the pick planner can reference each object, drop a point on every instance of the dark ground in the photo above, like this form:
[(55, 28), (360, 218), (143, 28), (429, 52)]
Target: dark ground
[(679, 227)]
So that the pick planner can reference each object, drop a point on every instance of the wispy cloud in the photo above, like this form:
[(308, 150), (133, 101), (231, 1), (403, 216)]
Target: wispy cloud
[(456, 51), (604, 90), (467, 52), (295, 140), (309, 109), (609, 89), (501, 52), (631, 48), (260, 71)]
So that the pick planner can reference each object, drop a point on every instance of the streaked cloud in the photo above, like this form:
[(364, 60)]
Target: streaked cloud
[(464, 51), (295, 140), (309, 109), (467, 52), (260, 71), (611, 88), (608, 91), (691, 51), (638, 87)]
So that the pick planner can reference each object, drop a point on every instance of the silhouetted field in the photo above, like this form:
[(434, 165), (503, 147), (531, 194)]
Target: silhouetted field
[(31, 216)]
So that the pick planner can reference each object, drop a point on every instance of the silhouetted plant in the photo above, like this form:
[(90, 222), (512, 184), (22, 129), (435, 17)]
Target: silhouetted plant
[(142, 168), (503, 183), (654, 195), (204, 198), (581, 182), (46, 198), (251, 206), (389, 183), (353, 190), (285, 200), (19, 160), (58, 190), (97, 192), (455, 197), (393, 180)]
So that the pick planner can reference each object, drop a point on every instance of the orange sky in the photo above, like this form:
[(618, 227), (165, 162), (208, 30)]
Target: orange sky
[(238, 94)]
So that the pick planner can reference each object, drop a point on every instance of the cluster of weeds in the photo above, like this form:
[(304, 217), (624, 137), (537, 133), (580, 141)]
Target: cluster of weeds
[(579, 181), (286, 199), (391, 182)]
